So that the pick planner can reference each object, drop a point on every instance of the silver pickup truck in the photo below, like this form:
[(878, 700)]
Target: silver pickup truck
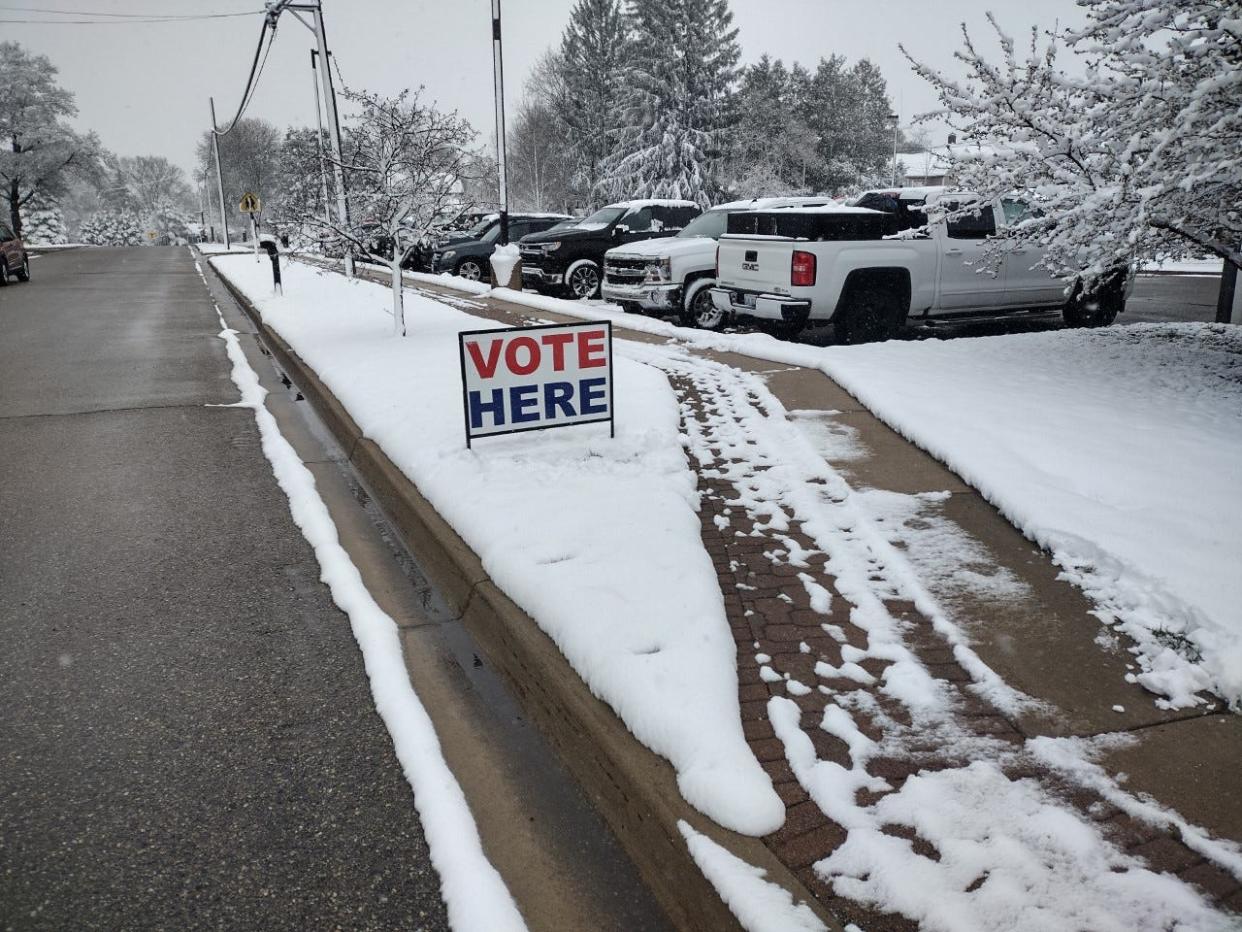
[(871, 271)]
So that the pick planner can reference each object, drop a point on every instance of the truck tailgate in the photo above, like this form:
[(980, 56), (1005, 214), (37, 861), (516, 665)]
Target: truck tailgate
[(755, 263)]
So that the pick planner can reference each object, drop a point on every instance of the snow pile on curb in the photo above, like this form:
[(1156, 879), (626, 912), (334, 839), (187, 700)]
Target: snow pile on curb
[(596, 539)]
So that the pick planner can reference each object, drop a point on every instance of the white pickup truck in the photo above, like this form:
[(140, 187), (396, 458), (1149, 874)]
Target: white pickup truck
[(871, 271), (674, 274)]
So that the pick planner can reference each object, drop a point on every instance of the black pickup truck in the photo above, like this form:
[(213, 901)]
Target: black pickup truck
[(569, 260)]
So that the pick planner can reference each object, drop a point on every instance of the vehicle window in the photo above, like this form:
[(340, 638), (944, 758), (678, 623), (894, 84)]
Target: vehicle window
[(1016, 211), (976, 224), (638, 219), (538, 226), (601, 218), (477, 231), (710, 224), (908, 214), (677, 218), (518, 229), (818, 227), (493, 234)]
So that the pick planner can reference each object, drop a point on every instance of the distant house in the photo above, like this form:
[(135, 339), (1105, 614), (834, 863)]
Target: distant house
[(921, 169)]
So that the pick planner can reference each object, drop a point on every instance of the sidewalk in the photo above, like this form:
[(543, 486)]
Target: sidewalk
[(869, 710)]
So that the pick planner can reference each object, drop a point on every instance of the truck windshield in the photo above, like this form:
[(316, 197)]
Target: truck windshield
[(477, 231), (601, 218), (711, 224)]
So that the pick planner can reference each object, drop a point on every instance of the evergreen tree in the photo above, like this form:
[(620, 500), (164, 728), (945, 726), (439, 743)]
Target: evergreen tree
[(583, 86), (772, 145), (678, 101), (114, 228), (848, 111), (43, 223)]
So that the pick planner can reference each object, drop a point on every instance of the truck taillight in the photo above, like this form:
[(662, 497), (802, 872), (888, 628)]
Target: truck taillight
[(802, 269)]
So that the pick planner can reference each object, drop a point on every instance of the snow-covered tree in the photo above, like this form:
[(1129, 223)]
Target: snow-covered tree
[(300, 183), (847, 108), (43, 223), (249, 161), (40, 154), (584, 86), (1135, 153), (770, 143), (114, 228), (404, 162), (681, 74)]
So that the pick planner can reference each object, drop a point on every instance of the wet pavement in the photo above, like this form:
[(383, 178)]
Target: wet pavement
[(187, 737)]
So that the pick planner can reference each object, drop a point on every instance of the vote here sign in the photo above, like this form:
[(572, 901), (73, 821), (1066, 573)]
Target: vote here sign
[(533, 378)]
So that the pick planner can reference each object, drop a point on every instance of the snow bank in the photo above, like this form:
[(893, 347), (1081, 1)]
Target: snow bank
[(758, 904), (597, 539), (504, 260), (473, 891)]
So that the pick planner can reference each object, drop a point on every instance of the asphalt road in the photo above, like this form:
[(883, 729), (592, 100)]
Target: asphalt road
[(187, 738)]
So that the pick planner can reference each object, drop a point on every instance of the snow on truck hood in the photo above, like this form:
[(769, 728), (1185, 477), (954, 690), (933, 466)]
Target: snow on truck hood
[(659, 248)]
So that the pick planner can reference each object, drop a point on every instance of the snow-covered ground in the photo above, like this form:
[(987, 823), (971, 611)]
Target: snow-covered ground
[(1114, 449), (597, 539), (1211, 266)]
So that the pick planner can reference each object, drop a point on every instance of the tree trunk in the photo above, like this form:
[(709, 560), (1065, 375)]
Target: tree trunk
[(1227, 301), (15, 213), (398, 299)]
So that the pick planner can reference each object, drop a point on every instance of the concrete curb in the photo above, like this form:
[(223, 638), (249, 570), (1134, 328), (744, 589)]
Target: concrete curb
[(633, 788)]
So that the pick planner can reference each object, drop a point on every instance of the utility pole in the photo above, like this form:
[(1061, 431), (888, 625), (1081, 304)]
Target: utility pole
[(334, 128), (215, 146), (323, 166), (498, 70), (896, 126)]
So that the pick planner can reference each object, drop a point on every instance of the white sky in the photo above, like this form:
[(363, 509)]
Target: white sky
[(144, 87)]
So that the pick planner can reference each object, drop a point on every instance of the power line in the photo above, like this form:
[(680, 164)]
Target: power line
[(124, 22), (256, 68), (140, 16)]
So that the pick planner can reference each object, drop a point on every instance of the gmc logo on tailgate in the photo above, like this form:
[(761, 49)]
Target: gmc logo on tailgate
[(750, 261)]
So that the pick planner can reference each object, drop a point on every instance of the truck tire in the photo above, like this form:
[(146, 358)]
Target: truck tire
[(470, 269), (697, 310), (1095, 310), (869, 315), (4, 271), (582, 279), (23, 274)]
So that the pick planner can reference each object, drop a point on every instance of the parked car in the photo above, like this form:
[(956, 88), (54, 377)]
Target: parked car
[(14, 260), (468, 257), (674, 274), (571, 259), (848, 266)]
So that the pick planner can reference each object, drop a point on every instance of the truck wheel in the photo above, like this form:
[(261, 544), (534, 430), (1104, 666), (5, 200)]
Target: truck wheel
[(870, 315), (23, 274), (1096, 310), (582, 279), (4, 271), (470, 270), (699, 310)]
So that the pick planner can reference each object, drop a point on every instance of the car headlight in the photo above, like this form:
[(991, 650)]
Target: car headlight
[(660, 271), (448, 255), (551, 247)]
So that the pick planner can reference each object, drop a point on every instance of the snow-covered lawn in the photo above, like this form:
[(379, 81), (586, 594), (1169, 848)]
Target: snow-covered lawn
[(597, 539), (1117, 450)]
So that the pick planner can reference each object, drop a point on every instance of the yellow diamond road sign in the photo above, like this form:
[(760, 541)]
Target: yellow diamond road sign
[(249, 203)]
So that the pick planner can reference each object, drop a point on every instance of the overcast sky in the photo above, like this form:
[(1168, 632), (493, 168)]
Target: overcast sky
[(144, 87)]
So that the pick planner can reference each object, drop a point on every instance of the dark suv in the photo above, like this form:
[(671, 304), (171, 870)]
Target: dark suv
[(571, 259), (468, 256), (13, 258)]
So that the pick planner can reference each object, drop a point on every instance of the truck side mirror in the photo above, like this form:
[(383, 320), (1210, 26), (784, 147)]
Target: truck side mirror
[(620, 229)]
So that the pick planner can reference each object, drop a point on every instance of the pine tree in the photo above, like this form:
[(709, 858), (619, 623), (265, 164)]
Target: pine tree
[(43, 223), (771, 144), (678, 104), (114, 228), (584, 86)]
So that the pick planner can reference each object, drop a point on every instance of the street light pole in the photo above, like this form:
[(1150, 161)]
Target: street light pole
[(323, 167), (498, 69), (215, 146)]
